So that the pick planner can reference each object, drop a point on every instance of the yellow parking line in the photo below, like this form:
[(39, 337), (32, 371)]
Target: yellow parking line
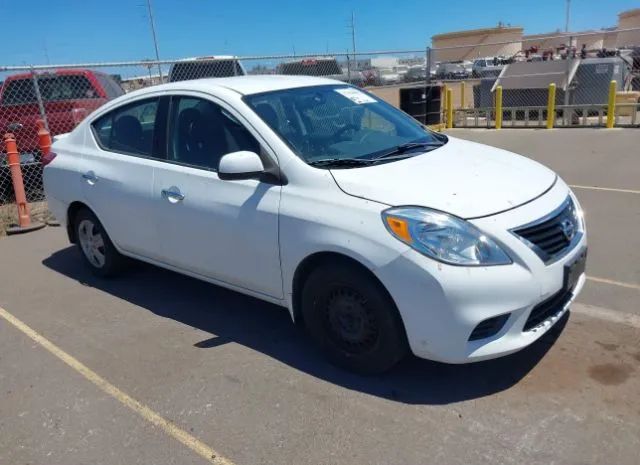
[(615, 283), (609, 189), (145, 412)]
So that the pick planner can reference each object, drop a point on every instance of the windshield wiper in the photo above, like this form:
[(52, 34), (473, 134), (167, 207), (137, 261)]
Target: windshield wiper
[(341, 162), (402, 148)]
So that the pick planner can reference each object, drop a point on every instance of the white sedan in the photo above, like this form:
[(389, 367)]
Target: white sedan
[(378, 235)]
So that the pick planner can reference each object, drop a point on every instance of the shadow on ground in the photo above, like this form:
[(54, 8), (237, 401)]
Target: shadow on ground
[(266, 328)]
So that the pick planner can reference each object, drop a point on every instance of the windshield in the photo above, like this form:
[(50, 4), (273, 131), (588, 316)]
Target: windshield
[(339, 122)]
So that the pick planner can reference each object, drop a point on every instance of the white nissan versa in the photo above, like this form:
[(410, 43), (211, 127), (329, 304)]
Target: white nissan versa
[(378, 235)]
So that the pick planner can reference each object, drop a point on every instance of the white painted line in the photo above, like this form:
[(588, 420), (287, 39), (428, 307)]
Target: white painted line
[(608, 189), (629, 319), (614, 283), (145, 412)]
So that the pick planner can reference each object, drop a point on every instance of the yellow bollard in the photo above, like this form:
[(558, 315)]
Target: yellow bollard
[(443, 99), (611, 108), (462, 95), (449, 108), (551, 106), (499, 107)]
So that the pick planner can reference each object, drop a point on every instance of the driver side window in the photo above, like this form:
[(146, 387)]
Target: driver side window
[(201, 132)]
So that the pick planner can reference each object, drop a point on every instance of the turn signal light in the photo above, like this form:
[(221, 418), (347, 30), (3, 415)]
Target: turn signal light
[(399, 227)]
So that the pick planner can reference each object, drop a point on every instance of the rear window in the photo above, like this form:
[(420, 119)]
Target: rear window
[(52, 88), (110, 86), (310, 68), (186, 70)]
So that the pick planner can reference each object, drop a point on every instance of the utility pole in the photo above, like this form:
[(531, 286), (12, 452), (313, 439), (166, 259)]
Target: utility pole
[(155, 39), (353, 39), (566, 24)]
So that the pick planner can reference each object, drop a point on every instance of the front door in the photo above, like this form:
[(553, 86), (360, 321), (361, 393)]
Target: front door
[(225, 230)]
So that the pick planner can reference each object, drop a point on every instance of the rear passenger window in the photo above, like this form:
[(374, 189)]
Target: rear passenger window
[(128, 129)]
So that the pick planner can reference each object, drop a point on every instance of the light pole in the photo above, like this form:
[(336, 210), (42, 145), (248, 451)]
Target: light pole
[(566, 24), (155, 39)]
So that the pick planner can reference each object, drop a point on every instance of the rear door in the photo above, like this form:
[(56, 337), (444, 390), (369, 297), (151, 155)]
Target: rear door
[(117, 175)]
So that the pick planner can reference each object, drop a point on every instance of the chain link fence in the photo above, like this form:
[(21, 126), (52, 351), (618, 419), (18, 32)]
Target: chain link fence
[(63, 95), (579, 67), (416, 81)]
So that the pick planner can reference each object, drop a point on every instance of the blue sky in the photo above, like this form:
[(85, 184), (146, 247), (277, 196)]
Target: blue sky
[(91, 31)]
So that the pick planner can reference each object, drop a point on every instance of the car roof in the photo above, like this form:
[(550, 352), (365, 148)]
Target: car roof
[(52, 72), (246, 85), (208, 58)]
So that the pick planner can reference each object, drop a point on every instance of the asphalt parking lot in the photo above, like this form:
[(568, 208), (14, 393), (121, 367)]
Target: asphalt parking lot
[(154, 367)]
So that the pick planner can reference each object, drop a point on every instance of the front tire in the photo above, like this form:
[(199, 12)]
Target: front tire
[(353, 319), (96, 248)]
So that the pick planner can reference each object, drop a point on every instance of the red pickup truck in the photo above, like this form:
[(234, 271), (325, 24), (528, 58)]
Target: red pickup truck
[(67, 97)]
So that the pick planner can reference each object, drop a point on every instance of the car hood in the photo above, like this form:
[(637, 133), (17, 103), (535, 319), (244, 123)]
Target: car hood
[(463, 178)]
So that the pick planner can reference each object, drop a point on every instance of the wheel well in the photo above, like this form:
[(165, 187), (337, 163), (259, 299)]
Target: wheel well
[(72, 211), (314, 261)]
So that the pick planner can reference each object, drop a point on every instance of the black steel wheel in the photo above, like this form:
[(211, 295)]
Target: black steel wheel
[(353, 319)]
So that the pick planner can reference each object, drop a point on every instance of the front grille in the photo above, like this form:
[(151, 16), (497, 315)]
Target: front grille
[(548, 308), (489, 327), (553, 235)]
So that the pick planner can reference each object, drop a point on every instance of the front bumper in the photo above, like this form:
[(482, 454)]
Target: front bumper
[(441, 304)]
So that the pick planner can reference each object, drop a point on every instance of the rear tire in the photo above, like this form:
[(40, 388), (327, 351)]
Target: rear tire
[(353, 319), (96, 248)]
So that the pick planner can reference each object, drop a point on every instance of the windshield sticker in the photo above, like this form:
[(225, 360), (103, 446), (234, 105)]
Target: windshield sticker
[(355, 95)]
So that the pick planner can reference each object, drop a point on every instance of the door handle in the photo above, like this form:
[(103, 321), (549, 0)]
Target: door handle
[(173, 194), (90, 177)]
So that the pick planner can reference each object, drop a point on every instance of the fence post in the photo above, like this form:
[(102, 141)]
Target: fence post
[(499, 107), (428, 66), (449, 108), (462, 94), (611, 107), (36, 87), (551, 106), (567, 113)]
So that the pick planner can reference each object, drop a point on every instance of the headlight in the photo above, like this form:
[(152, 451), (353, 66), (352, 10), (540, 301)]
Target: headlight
[(577, 212), (443, 237)]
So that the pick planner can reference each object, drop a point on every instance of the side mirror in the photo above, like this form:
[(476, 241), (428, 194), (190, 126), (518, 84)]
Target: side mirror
[(240, 165)]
